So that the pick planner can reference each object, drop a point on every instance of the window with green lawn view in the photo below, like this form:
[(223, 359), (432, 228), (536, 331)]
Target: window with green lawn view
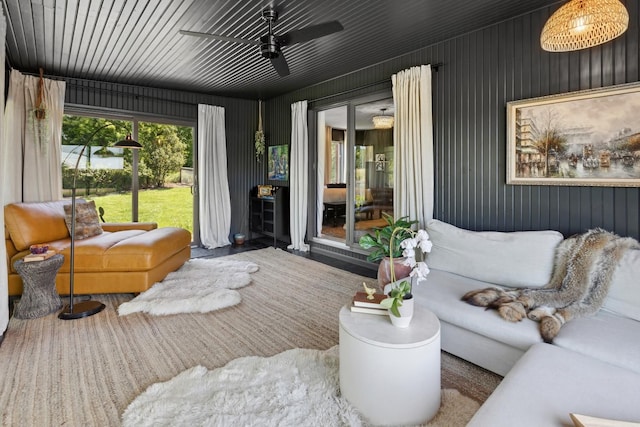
[(163, 193)]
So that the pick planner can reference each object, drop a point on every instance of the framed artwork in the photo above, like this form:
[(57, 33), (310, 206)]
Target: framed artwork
[(587, 138), (265, 191), (380, 162), (278, 163)]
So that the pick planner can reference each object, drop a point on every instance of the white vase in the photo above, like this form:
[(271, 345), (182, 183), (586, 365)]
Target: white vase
[(406, 314)]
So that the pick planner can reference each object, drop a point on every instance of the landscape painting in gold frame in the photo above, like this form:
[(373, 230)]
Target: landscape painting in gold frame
[(586, 138)]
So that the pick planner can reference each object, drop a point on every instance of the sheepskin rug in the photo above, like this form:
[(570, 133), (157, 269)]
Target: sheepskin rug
[(294, 388), (298, 387), (199, 286)]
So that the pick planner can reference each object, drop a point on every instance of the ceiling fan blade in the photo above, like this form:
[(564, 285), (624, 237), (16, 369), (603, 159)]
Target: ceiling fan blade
[(280, 64), (217, 37), (310, 33)]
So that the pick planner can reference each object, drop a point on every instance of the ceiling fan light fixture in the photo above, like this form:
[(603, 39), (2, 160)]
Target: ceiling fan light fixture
[(383, 121), (581, 24)]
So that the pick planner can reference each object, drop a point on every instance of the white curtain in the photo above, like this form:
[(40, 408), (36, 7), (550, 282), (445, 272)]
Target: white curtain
[(214, 201), (413, 144), (32, 158), (4, 283), (299, 178)]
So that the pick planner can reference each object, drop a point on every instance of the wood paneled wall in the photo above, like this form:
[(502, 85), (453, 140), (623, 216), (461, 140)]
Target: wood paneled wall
[(481, 72)]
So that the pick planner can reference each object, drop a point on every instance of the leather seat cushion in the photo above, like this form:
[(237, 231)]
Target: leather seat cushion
[(129, 250)]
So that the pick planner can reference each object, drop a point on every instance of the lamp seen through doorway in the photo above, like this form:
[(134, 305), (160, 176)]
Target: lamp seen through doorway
[(91, 307), (383, 121)]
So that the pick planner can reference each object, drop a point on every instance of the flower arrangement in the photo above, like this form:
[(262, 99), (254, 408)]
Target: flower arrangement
[(395, 240)]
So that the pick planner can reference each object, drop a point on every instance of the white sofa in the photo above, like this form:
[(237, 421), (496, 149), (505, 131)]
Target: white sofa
[(593, 365)]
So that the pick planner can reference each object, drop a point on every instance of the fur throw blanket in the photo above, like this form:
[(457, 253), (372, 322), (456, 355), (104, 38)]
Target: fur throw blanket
[(583, 269)]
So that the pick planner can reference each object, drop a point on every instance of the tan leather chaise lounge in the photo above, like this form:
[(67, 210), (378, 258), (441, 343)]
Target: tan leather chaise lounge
[(124, 258)]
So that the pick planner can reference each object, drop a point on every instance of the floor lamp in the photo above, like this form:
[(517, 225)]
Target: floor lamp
[(91, 307)]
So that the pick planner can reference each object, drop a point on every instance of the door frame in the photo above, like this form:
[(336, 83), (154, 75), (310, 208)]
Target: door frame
[(312, 116)]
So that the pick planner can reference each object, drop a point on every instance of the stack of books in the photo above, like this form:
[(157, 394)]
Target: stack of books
[(361, 304), (39, 257)]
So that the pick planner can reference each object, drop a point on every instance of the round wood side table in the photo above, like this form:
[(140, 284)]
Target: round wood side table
[(39, 294), (391, 375)]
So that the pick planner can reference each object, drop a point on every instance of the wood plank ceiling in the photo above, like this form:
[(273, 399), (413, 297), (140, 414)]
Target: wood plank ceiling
[(137, 41)]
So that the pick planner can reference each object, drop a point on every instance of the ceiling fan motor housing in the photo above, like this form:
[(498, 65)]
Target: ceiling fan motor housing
[(269, 47)]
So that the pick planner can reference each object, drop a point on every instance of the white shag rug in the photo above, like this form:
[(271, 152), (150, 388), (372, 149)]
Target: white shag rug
[(199, 286), (298, 387)]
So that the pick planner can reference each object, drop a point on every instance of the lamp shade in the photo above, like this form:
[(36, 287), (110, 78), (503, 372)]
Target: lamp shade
[(581, 24), (383, 121), (128, 142)]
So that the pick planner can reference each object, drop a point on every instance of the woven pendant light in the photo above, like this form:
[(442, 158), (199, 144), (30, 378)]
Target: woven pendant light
[(581, 24)]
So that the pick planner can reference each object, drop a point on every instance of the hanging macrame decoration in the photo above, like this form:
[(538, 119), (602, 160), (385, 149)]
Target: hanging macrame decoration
[(37, 118), (259, 138)]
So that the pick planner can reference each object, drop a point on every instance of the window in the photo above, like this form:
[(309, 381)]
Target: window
[(153, 184)]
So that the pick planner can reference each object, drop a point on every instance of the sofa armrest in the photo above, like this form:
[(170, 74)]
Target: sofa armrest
[(120, 226)]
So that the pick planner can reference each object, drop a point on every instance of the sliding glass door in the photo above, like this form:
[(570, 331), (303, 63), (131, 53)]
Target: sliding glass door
[(154, 184), (355, 170)]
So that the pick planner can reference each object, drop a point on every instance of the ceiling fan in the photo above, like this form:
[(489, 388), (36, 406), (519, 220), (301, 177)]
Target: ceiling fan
[(271, 44)]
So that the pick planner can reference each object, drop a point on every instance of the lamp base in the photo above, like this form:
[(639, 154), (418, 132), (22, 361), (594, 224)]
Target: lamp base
[(81, 309)]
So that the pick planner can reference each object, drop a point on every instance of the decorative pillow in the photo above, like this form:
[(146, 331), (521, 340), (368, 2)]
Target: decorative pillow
[(515, 259), (87, 221), (624, 295)]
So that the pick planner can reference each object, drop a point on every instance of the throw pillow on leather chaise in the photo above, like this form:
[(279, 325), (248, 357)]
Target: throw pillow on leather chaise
[(123, 258)]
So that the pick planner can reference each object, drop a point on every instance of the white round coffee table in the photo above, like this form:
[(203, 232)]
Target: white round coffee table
[(391, 375)]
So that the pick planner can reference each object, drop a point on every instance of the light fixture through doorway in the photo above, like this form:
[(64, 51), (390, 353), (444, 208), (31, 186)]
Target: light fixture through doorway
[(383, 121), (581, 24)]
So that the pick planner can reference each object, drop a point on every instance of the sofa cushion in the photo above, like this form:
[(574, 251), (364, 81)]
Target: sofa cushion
[(441, 293), (515, 259), (87, 220), (605, 336), (624, 294), (36, 222), (127, 250), (549, 382)]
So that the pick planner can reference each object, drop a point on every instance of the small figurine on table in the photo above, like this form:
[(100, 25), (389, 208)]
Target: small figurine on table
[(369, 291)]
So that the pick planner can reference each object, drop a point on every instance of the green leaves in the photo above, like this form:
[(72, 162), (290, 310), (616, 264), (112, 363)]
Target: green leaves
[(396, 296), (381, 241)]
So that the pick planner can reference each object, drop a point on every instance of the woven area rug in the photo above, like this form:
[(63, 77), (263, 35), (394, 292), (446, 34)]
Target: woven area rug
[(298, 387), (88, 371), (199, 286)]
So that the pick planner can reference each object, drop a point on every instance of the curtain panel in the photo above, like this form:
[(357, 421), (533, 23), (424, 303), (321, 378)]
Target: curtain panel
[(214, 201), (32, 149), (413, 144), (299, 178), (4, 283)]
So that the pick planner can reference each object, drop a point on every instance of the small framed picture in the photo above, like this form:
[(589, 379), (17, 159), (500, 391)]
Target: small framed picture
[(265, 190), (278, 166)]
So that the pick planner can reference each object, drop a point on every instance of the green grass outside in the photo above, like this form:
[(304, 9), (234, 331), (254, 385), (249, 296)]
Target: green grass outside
[(169, 207)]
